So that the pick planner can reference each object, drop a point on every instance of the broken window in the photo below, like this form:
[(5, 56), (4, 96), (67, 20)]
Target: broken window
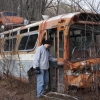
[(83, 41), (28, 42)]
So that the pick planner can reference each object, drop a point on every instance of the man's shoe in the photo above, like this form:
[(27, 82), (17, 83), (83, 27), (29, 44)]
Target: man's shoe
[(41, 97), (46, 91)]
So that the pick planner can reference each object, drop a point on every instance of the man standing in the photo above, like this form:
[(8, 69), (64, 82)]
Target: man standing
[(41, 64)]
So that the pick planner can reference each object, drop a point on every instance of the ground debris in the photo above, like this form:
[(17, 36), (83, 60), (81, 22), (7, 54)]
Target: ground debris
[(15, 90), (9, 97)]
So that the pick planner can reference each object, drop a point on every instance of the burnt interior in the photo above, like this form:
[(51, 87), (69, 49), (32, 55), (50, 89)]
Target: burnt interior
[(84, 41)]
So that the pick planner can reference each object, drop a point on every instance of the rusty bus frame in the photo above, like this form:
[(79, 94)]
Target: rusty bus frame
[(75, 44)]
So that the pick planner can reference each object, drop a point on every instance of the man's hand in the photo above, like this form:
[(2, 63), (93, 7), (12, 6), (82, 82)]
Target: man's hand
[(37, 70)]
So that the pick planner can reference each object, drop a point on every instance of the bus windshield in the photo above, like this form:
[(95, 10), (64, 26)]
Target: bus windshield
[(84, 41)]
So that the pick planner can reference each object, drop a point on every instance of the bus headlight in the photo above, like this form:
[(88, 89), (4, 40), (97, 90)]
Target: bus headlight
[(87, 73), (76, 73), (68, 72)]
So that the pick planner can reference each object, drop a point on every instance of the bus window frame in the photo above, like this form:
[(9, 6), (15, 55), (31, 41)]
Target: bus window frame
[(28, 34), (60, 60), (23, 32), (59, 44)]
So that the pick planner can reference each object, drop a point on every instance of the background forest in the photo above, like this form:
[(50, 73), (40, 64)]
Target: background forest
[(34, 9)]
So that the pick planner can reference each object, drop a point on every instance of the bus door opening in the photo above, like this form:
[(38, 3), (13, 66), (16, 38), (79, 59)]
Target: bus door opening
[(60, 56), (52, 34), (56, 73)]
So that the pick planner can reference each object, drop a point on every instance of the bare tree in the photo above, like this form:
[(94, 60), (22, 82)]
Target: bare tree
[(33, 9)]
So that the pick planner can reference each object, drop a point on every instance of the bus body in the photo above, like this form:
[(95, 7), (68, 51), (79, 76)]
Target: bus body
[(76, 45)]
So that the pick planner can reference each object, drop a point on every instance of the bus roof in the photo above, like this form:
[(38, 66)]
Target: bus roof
[(53, 22)]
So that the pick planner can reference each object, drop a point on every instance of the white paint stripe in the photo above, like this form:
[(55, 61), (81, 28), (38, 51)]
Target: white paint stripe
[(19, 57)]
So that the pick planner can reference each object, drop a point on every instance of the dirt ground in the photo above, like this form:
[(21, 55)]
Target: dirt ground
[(16, 90), (11, 89)]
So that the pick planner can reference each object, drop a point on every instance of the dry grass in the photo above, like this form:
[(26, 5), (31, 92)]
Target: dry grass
[(11, 89)]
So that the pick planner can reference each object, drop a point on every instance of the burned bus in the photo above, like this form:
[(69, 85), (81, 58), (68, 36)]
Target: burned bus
[(76, 45)]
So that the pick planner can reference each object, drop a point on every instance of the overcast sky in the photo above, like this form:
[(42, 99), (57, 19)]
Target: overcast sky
[(93, 5)]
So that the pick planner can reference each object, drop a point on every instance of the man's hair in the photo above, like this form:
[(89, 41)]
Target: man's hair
[(48, 42)]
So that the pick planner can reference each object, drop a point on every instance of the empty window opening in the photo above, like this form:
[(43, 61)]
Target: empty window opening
[(33, 28), (6, 35), (52, 34), (9, 44), (14, 33), (61, 44), (23, 31)]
